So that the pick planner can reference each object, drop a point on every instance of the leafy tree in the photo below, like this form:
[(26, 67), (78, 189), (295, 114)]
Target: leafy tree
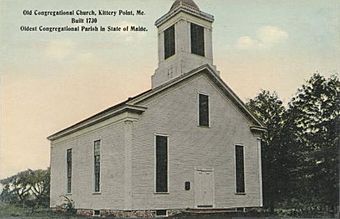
[(301, 149), (39, 182), (313, 117), (17, 187), (7, 195), (28, 188), (269, 108)]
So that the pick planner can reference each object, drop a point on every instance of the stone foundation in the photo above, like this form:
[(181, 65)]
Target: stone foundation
[(107, 213), (174, 212), (128, 214), (85, 212), (117, 213)]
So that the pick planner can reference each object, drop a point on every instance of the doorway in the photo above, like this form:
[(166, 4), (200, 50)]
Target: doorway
[(204, 188)]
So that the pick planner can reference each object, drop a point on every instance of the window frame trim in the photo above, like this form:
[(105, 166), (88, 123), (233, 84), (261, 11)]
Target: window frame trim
[(93, 168), (198, 109), (235, 171), (155, 164)]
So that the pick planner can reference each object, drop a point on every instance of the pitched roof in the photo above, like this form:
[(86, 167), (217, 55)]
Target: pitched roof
[(186, 6), (132, 103), (187, 3)]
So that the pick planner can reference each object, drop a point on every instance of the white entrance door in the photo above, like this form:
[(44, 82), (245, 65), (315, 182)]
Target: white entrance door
[(204, 188)]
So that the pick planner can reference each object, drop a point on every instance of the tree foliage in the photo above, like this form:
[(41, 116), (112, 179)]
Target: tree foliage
[(28, 188), (268, 108), (300, 150), (313, 118)]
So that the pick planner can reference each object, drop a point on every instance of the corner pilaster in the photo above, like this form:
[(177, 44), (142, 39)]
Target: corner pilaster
[(128, 124)]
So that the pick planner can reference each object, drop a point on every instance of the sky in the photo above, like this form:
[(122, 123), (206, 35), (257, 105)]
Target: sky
[(49, 81)]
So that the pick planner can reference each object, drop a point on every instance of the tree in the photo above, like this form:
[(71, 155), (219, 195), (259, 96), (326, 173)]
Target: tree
[(27, 188), (301, 149), (39, 182), (17, 187), (270, 110), (313, 116)]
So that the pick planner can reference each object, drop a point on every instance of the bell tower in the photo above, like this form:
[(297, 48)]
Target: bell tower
[(184, 41)]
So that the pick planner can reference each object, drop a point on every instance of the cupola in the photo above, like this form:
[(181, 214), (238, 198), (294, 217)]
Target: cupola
[(184, 41)]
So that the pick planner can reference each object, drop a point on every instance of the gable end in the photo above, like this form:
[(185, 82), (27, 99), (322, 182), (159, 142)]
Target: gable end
[(210, 72)]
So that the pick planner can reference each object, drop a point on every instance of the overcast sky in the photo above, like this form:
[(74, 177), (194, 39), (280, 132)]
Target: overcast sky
[(52, 80)]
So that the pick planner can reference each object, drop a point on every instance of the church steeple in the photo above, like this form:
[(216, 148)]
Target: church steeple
[(184, 41)]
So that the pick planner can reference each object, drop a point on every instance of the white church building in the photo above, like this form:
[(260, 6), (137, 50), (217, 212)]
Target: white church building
[(187, 143)]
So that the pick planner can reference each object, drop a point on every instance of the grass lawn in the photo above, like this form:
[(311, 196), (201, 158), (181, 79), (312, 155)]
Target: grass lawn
[(16, 212), (8, 211)]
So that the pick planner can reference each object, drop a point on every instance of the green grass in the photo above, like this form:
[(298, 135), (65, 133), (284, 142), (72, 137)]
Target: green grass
[(13, 211), (7, 210)]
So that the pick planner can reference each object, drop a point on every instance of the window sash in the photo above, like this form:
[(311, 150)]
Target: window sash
[(239, 155), (203, 110), (197, 39), (161, 163), (96, 159), (169, 42), (69, 185), (69, 170)]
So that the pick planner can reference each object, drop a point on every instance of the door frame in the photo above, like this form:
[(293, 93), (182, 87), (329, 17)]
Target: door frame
[(211, 170)]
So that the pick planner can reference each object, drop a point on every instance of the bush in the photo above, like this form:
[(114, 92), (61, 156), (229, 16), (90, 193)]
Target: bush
[(68, 206)]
